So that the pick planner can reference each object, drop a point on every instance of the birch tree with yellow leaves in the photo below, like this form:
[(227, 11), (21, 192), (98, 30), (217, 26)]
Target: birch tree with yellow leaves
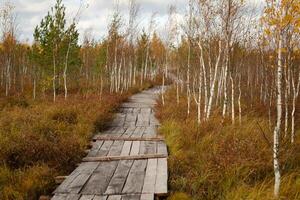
[(280, 17)]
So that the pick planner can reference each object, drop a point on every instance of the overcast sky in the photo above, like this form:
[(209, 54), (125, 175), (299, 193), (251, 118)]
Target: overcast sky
[(94, 17)]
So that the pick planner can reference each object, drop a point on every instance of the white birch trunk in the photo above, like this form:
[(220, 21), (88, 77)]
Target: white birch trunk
[(232, 100), (278, 122), (212, 88)]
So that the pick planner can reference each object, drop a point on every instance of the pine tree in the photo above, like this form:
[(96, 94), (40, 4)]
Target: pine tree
[(58, 45)]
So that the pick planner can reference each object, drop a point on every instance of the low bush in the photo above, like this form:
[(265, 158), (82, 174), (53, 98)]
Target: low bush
[(26, 184)]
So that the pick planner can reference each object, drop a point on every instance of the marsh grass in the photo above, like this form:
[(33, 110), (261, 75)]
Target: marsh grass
[(218, 160), (41, 139)]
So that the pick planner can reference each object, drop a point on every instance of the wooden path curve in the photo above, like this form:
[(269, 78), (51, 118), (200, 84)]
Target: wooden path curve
[(126, 162)]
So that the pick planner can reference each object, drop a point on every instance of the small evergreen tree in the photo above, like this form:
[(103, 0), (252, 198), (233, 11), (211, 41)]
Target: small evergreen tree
[(58, 47)]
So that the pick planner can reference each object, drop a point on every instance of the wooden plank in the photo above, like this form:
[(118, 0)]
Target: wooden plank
[(136, 110), (59, 197), (63, 188), (150, 131), (100, 197), (73, 197), (112, 138), (75, 181), (131, 197), (148, 147), (147, 197), (87, 197), (137, 105), (117, 158), (118, 120), (138, 132), (130, 119), (95, 148), (107, 132), (150, 177), (100, 179), (116, 148), (120, 130), (154, 121), (162, 148), (114, 197), (129, 131), (118, 180), (135, 180), (135, 148), (126, 148), (161, 185), (146, 111), (105, 148), (143, 119)]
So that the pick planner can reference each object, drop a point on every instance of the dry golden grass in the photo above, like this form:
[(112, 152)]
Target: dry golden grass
[(40, 140), (218, 160)]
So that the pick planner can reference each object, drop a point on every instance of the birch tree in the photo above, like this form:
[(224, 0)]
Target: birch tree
[(279, 16)]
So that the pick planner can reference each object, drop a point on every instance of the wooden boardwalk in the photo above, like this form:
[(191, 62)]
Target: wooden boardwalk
[(127, 162)]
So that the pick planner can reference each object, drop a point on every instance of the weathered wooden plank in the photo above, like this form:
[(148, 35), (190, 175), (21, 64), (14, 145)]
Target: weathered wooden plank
[(150, 131), (117, 158), (125, 110), (118, 180), (138, 132), (116, 148), (118, 120), (150, 177), (77, 179), (153, 120), (87, 197), (118, 131), (162, 148), (97, 197), (130, 119), (161, 185), (77, 185), (59, 197), (135, 180), (136, 110), (108, 131), (131, 197), (63, 188), (99, 181), (135, 148), (112, 138), (146, 111), (73, 197), (105, 148), (142, 98), (126, 148), (66, 197), (143, 119), (95, 148), (129, 131), (147, 197), (137, 105), (114, 197), (148, 147)]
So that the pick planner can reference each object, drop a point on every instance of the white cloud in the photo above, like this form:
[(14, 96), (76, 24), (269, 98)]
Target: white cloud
[(96, 16)]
